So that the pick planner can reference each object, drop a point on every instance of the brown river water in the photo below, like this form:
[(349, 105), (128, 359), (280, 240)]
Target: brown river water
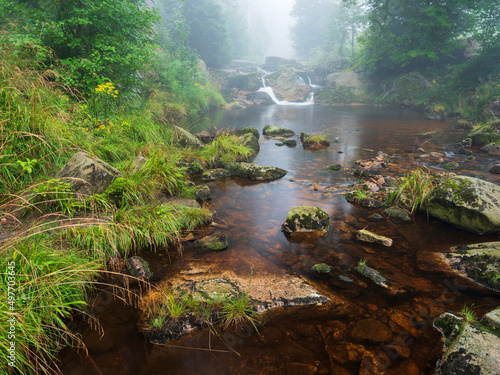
[(312, 339)]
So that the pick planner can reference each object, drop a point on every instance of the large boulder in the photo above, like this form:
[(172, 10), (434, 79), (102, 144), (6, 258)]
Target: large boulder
[(406, 89), (346, 79), (486, 134), (285, 85), (186, 139), (88, 175), (247, 82), (249, 140), (466, 202), (277, 131), (256, 172), (306, 219), (474, 348), (258, 98)]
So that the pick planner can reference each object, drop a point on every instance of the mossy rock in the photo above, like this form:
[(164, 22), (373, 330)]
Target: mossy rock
[(398, 213), (256, 172), (290, 142), (495, 169), (335, 167), (139, 268), (486, 134), (115, 192), (466, 202), (214, 242), (322, 268), (249, 140), (306, 219), (214, 174), (186, 139), (314, 141), (277, 131), (248, 129), (202, 193)]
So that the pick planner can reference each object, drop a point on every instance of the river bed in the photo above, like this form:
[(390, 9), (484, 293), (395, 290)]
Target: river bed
[(313, 339)]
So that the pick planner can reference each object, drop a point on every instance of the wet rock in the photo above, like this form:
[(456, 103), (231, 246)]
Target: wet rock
[(139, 268), (367, 236), (202, 193), (495, 169), (432, 263), (480, 262), (398, 213), (321, 268), (313, 141), (372, 330), (259, 98), (377, 217), (492, 148), (371, 203), (88, 175), (214, 242), (486, 134), (306, 219), (285, 85), (465, 151), (277, 131), (251, 141), (474, 352), (246, 82), (248, 129), (256, 172), (372, 274), (344, 352), (214, 174), (450, 165), (185, 138), (466, 202), (492, 319), (335, 167), (290, 142)]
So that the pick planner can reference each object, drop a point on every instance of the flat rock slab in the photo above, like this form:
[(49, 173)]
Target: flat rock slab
[(367, 236), (478, 262)]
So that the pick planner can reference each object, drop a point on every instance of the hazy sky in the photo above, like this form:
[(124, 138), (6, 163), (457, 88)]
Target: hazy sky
[(276, 14)]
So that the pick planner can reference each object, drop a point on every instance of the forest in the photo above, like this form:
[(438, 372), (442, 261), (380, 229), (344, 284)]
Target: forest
[(122, 83)]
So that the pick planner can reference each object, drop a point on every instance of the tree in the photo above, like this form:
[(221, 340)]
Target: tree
[(96, 41), (208, 34), (406, 33), (311, 26)]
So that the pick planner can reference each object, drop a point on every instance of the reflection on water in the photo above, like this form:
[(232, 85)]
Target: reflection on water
[(316, 340)]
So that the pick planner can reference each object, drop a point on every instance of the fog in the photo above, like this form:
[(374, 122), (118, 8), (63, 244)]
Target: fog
[(277, 19)]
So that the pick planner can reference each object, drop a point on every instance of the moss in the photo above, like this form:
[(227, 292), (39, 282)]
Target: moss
[(398, 213), (306, 218), (277, 131), (116, 191), (321, 268), (335, 167)]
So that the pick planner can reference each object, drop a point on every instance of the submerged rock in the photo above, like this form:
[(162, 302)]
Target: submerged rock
[(371, 330), (367, 236), (495, 169), (277, 131), (398, 213), (321, 268), (256, 172), (306, 219), (88, 175), (290, 142), (214, 242), (335, 167), (486, 134), (466, 202)]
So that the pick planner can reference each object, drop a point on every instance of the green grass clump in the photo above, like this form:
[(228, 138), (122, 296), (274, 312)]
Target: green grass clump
[(50, 286), (412, 189)]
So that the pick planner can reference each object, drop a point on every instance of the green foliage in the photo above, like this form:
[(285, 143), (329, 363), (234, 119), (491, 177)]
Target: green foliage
[(96, 41), (50, 287), (412, 189), (225, 149), (208, 34), (53, 196), (468, 313)]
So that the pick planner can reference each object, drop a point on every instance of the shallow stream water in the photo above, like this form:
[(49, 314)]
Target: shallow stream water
[(314, 339)]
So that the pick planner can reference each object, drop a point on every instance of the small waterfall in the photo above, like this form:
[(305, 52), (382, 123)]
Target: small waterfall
[(269, 91)]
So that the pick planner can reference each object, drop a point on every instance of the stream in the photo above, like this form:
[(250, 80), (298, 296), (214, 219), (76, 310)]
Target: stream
[(312, 339)]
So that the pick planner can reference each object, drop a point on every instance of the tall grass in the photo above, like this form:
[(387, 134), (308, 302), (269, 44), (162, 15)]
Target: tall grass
[(412, 189)]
